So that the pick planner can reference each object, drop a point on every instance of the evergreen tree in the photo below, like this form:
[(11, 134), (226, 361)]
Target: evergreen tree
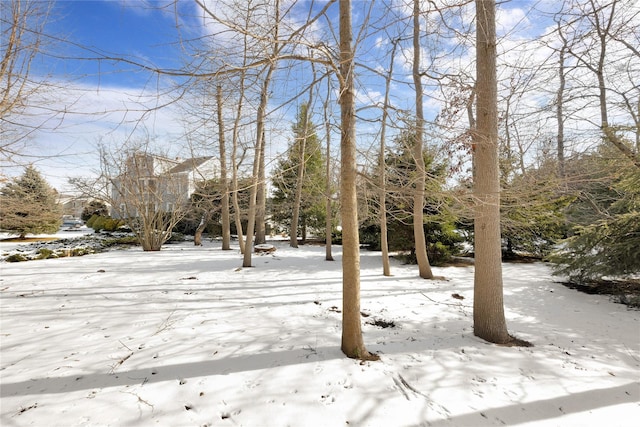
[(285, 178), (438, 217), (605, 216), (532, 211), (95, 207), (29, 205)]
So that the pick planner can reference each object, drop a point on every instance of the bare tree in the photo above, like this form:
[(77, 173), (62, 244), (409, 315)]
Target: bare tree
[(424, 268), (488, 307), (560, 98), (226, 222), (605, 23), (352, 341), (236, 161), (328, 187), (147, 191), (259, 145), (384, 245), (22, 24)]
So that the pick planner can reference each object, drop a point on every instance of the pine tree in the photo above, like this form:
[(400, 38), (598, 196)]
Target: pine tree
[(605, 217), (29, 205), (438, 218), (306, 146), (95, 207), (532, 211)]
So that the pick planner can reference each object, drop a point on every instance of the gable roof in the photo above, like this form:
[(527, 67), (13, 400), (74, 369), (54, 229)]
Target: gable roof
[(189, 164)]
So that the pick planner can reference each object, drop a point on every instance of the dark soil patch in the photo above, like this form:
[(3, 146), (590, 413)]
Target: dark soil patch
[(516, 342), (382, 323), (621, 291), (519, 258)]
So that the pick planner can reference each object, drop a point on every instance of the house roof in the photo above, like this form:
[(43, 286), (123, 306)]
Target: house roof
[(189, 164)]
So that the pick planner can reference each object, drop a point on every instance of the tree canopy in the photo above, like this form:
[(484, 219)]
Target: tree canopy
[(303, 155), (28, 205)]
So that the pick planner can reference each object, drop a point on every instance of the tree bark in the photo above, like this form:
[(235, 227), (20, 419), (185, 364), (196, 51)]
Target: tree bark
[(295, 215), (234, 160), (560, 103), (424, 268), (197, 237), (261, 196), (384, 244), (328, 256), (259, 147), (226, 222), (488, 308), (352, 341)]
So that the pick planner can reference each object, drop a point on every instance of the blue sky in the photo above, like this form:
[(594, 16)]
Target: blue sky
[(105, 99), (136, 30)]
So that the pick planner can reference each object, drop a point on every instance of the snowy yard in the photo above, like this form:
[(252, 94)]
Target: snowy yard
[(185, 337)]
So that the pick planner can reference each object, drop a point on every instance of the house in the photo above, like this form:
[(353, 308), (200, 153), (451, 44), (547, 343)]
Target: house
[(72, 204), (157, 183)]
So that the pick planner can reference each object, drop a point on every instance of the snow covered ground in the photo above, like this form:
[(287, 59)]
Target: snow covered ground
[(185, 337)]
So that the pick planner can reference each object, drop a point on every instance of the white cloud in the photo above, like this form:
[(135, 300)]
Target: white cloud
[(511, 20), (72, 121)]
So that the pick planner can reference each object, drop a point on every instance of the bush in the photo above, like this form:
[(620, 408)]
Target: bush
[(127, 240), (99, 223), (91, 220), (81, 251), (112, 224), (176, 237), (16, 258), (442, 241), (95, 208), (44, 253)]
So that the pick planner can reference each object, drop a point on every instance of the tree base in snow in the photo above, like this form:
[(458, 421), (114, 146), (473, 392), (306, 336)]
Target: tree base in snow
[(264, 248)]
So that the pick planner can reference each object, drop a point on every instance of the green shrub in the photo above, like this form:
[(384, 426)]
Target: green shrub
[(127, 240), (80, 251), (112, 224), (44, 253), (99, 223), (91, 220), (16, 258), (176, 237)]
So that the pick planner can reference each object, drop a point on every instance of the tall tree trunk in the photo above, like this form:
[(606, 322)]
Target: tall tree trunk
[(384, 244), (237, 218), (295, 217), (560, 103), (234, 153), (197, 237), (352, 341), (297, 200), (488, 307), (260, 122), (424, 268), (226, 223), (261, 196), (251, 221), (328, 227), (303, 234)]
